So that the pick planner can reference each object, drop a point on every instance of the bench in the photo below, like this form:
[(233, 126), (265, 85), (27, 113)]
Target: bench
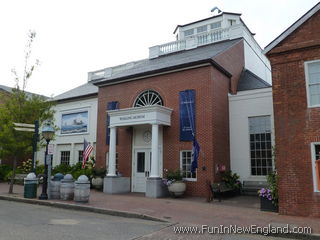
[(217, 189), (18, 178)]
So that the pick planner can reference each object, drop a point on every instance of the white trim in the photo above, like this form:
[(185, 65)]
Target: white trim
[(313, 164), (306, 72), (188, 179)]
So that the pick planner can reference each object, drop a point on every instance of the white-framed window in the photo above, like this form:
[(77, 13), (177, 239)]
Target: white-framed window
[(80, 156), (107, 162), (215, 25), (202, 29), (148, 98), (232, 22), (260, 145), (315, 157), (185, 165), (312, 72), (65, 157), (188, 32)]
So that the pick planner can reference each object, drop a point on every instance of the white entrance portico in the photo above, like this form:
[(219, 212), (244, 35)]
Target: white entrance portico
[(147, 157)]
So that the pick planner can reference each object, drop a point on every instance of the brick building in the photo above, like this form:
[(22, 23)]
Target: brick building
[(214, 68), (295, 61)]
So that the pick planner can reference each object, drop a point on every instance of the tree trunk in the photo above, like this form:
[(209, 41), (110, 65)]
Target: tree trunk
[(13, 174)]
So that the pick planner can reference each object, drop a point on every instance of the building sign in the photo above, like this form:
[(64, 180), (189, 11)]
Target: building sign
[(132, 117), (187, 115), (74, 123)]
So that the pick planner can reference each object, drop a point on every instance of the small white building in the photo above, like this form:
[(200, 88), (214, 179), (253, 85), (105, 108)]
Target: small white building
[(76, 117)]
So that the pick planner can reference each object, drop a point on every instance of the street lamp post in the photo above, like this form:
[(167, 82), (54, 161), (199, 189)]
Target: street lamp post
[(47, 133)]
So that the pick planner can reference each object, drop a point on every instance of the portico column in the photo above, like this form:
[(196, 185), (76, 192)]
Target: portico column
[(112, 153), (155, 152)]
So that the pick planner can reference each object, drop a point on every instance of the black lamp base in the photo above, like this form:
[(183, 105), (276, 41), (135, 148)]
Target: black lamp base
[(43, 196)]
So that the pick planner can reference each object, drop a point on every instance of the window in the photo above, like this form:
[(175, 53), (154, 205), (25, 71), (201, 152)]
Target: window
[(202, 29), (232, 22), (80, 156), (215, 25), (65, 157), (312, 71), (260, 145), (185, 163), (315, 152), (107, 162), (148, 98), (188, 32)]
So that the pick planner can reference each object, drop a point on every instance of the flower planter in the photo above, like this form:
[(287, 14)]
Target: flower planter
[(97, 183), (267, 205), (177, 189)]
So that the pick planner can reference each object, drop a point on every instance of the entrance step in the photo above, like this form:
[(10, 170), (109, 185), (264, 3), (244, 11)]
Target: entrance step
[(252, 187)]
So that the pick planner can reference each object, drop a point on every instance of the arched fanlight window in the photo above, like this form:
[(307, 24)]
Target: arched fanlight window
[(148, 98)]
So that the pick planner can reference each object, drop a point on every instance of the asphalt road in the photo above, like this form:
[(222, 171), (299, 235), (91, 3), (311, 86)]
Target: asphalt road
[(20, 221)]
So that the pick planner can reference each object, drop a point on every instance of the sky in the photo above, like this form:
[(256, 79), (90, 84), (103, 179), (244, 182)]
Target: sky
[(75, 37)]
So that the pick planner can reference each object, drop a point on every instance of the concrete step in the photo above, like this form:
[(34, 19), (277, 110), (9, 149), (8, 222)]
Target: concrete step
[(252, 187)]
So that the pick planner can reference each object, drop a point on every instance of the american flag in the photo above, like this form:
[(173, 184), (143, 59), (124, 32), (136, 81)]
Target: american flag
[(87, 149)]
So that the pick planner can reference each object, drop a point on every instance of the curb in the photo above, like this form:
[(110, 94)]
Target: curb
[(111, 212)]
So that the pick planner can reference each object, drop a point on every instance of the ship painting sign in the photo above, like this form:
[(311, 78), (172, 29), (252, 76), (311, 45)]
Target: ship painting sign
[(72, 123)]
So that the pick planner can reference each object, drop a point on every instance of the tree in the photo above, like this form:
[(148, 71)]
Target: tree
[(21, 107)]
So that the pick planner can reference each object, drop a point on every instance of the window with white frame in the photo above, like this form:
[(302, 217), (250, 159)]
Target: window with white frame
[(80, 156), (188, 32), (315, 151), (185, 163), (107, 162), (202, 29), (65, 157), (260, 145), (215, 25), (312, 71)]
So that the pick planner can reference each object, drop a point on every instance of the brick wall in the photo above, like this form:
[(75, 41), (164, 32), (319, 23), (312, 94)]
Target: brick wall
[(296, 125), (169, 86)]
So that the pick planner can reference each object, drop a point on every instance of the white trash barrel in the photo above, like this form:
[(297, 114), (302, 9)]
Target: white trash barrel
[(67, 188), (55, 184), (82, 189)]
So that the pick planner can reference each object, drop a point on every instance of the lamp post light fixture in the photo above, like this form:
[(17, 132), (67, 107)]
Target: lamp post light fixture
[(47, 133)]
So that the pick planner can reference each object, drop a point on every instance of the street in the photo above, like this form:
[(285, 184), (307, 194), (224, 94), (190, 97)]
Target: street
[(26, 221)]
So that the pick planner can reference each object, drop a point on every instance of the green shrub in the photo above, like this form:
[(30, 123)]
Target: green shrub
[(174, 175), (62, 168), (231, 180), (40, 169), (99, 172), (4, 170), (85, 171), (9, 174), (272, 180)]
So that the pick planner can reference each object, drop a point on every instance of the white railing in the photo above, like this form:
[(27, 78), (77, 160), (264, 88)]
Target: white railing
[(190, 42), (211, 37), (172, 47)]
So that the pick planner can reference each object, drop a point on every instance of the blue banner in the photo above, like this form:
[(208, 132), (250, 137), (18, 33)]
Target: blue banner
[(187, 115), (111, 106)]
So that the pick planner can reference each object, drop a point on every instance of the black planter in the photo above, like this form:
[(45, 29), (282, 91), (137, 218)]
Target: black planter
[(267, 205)]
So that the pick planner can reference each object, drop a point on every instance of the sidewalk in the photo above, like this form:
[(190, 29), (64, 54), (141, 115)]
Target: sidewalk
[(188, 211)]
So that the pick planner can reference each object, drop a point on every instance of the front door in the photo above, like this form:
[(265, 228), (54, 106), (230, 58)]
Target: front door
[(141, 165)]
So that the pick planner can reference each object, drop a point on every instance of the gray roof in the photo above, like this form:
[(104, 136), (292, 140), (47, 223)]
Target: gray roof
[(81, 91), (171, 61), (249, 81), (292, 28), (9, 90)]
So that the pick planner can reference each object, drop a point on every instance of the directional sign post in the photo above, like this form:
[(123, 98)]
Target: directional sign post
[(25, 127)]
